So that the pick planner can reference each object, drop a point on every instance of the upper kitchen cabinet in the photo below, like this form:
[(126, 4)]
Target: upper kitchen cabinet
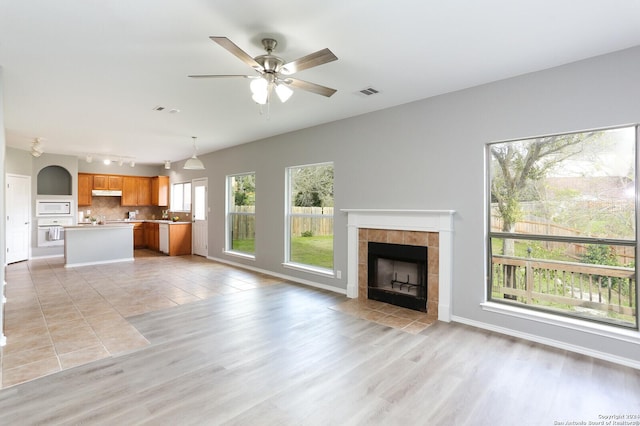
[(160, 191), (108, 182), (136, 191), (85, 184)]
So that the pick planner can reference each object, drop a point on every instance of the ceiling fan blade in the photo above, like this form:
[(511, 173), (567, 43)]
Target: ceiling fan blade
[(239, 53), (218, 76), (310, 87), (311, 60)]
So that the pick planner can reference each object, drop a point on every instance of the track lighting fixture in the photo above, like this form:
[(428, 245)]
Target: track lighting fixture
[(36, 148)]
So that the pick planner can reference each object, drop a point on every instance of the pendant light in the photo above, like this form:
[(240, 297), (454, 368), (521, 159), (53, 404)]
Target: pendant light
[(193, 163)]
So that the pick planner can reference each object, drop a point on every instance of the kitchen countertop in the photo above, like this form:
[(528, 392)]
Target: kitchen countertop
[(106, 225), (126, 221)]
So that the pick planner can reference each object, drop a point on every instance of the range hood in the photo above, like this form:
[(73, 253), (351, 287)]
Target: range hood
[(106, 193)]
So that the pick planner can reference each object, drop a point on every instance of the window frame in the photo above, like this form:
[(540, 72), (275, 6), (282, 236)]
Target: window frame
[(539, 313), (229, 194), (288, 215), (184, 207)]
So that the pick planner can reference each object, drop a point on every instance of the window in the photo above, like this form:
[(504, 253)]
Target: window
[(562, 224), (241, 213), (181, 197), (310, 217)]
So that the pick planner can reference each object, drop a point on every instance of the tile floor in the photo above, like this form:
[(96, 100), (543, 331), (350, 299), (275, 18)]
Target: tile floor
[(57, 318), (383, 313)]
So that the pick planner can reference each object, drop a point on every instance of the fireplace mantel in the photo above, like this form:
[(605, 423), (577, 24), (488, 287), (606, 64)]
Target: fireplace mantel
[(440, 221)]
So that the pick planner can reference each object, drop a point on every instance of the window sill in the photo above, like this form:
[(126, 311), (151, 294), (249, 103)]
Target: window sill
[(632, 336), (310, 269), (239, 254)]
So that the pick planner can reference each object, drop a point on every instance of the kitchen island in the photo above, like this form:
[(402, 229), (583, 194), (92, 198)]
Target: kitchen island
[(98, 244)]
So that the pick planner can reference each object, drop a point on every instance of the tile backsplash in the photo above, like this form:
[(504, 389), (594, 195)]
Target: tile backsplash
[(110, 208)]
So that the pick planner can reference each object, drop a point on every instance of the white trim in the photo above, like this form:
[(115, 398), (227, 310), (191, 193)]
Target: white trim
[(101, 262), (598, 329), (440, 221), (309, 269), (239, 254), (282, 276), (633, 363)]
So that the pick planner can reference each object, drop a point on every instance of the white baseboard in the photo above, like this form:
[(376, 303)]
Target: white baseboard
[(550, 342), (49, 256), (101, 262), (282, 276)]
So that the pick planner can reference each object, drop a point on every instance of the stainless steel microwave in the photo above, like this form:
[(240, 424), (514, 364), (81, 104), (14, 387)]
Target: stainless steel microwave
[(54, 207)]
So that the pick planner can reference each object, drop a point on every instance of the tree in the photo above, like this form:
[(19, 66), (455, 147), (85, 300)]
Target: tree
[(313, 186), (519, 165), (244, 190)]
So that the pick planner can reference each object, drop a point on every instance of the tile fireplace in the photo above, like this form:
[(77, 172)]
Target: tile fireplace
[(428, 230)]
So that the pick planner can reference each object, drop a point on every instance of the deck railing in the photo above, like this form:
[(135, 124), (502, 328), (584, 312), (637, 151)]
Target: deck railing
[(592, 290)]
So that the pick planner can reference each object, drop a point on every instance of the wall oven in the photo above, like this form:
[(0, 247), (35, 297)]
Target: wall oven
[(51, 230), (51, 208)]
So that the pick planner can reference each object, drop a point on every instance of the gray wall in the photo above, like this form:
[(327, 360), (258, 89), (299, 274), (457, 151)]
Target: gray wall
[(430, 155), (125, 169)]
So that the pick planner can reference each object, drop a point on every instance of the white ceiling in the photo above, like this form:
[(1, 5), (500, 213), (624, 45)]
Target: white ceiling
[(85, 75)]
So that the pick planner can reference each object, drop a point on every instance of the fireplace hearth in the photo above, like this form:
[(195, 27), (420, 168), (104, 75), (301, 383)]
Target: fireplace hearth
[(397, 274)]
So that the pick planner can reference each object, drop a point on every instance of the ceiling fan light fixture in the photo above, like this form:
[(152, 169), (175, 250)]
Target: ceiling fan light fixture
[(260, 90), (258, 86), (283, 92), (260, 98)]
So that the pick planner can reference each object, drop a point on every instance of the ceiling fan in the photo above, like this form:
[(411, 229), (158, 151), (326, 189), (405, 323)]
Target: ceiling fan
[(273, 72)]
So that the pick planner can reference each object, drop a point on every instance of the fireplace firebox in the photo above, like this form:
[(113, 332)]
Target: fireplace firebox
[(397, 274)]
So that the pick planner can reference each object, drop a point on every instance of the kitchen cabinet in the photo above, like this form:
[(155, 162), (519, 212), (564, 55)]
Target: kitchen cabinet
[(152, 236), (160, 191), (85, 183), (136, 191), (144, 191), (109, 182), (179, 239), (139, 237)]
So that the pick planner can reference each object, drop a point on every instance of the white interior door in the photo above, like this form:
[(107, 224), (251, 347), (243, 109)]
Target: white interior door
[(18, 209), (200, 216)]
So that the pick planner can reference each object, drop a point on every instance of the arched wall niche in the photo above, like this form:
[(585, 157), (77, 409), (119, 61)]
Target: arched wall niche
[(54, 180)]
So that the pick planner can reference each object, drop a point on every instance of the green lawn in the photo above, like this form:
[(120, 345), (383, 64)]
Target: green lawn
[(316, 251), (245, 246)]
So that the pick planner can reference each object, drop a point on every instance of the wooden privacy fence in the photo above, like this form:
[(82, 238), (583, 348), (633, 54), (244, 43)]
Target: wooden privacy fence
[(625, 254), (316, 220)]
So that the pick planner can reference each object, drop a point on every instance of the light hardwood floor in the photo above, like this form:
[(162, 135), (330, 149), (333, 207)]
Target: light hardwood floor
[(283, 355)]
